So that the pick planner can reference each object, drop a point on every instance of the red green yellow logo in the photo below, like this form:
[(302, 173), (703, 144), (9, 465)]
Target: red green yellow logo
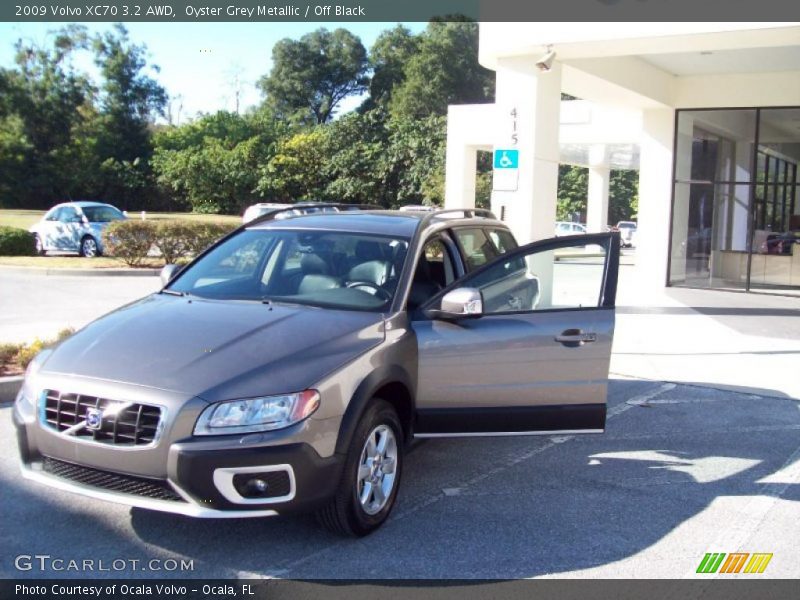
[(735, 562)]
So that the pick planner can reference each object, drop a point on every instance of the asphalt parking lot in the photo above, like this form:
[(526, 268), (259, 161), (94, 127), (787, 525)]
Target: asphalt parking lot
[(681, 471)]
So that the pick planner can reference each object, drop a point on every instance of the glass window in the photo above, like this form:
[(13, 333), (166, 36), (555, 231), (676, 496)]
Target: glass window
[(502, 240), (102, 214), (319, 268), (727, 215), (568, 277), (476, 247)]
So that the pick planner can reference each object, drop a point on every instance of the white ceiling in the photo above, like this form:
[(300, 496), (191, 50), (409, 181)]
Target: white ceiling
[(747, 60)]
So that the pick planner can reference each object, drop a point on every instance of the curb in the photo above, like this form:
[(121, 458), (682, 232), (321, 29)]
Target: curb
[(45, 271), (9, 386)]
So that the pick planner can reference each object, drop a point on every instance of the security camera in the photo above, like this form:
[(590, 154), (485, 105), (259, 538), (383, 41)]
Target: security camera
[(545, 63)]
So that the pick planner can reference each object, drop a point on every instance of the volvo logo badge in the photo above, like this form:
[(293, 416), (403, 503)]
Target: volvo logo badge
[(94, 419)]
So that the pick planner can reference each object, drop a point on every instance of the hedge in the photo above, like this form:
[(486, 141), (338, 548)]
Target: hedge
[(133, 241), (16, 242)]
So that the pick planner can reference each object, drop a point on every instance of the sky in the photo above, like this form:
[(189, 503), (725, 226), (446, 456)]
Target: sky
[(200, 63)]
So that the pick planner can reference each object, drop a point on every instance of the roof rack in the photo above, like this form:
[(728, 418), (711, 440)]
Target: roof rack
[(468, 213), (300, 206)]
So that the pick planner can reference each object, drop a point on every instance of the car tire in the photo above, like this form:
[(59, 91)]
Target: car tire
[(367, 490), (39, 245), (89, 247)]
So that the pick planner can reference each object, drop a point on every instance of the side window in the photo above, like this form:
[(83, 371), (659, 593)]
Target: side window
[(567, 277), (434, 272), (53, 215), (68, 215), (439, 262), (502, 240), (476, 247)]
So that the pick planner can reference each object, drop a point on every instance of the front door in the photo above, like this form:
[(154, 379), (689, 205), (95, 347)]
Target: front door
[(536, 360)]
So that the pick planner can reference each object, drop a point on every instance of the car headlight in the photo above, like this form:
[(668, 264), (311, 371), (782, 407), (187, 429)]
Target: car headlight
[(256, 414)]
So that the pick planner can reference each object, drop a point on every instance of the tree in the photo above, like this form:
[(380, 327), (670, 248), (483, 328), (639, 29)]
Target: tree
[(129, 102), (40, 109), (388, 58), (214, 164), (311, 76), (444, 70), (623, 196), (573, 190)]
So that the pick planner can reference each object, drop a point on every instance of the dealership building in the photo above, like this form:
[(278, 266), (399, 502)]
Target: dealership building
[(708, 113)]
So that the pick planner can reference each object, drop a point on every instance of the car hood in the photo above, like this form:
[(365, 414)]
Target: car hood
[(216, 350)]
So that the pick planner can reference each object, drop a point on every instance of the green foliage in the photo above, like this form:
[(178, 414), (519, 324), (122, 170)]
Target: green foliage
[(27, 352), (444, 70), (312, 75), (175, 241), (388, 58), (130, 240), (296, 171), (214, 164), (623, 196), (204, 234), (62, 138), (573, 189), (15, 242)]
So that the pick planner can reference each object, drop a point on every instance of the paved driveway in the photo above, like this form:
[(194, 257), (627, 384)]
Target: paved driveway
[(681, 471), (41, 305)]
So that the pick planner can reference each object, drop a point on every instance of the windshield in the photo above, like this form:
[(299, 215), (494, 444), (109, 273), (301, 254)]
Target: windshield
[(102, 214), (353, 271)]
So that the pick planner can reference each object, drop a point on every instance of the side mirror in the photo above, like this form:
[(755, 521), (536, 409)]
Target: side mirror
[(461, 303), (167, 273)]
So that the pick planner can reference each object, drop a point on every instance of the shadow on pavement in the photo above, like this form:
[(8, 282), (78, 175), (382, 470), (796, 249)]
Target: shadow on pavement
[(475, 508)]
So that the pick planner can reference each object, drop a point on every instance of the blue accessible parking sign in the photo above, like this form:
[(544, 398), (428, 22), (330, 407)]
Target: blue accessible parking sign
[(506, 159)]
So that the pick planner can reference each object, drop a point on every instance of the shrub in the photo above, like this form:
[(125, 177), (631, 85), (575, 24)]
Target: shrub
[(16, 242), (130, 240), (174, 239), (27, 352), (206, 234)]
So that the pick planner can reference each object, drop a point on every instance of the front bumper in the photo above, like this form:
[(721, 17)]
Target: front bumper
[(199, 476)]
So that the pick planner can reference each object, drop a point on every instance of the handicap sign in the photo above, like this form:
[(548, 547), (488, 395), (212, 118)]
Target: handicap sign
[(506, 159)]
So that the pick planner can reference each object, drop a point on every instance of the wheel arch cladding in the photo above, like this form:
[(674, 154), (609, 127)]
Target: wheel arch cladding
[(392, 384)]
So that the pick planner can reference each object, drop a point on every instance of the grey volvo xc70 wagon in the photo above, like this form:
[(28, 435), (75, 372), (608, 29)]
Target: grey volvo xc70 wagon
[(288, 367)]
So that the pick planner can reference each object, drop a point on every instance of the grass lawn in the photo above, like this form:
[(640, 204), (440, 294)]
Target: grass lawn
[(25, 218)]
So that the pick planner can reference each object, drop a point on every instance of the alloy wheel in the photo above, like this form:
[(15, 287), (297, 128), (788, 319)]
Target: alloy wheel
[(376, 469)]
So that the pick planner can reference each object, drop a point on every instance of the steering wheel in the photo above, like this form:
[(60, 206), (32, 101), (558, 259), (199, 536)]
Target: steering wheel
[(377, 290)]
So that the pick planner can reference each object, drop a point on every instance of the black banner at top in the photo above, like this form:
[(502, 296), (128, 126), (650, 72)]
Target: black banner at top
[(395, 10)]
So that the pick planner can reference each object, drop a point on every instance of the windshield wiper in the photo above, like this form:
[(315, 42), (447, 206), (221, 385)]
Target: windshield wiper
[(172, 292)]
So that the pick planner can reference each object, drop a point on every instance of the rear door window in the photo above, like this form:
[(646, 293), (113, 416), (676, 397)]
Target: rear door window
[(476, 247)]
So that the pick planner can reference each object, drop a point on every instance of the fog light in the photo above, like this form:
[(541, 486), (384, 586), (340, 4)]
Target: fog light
[(251, 486)]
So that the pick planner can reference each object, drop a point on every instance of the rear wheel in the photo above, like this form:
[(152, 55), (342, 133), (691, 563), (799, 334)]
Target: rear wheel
[(89, 247), (371, 476)]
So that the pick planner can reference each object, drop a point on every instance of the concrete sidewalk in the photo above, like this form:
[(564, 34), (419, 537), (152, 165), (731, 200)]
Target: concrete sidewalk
[(730, 340)]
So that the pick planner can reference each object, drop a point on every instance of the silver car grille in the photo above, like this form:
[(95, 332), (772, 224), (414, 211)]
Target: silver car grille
[(101, 420)]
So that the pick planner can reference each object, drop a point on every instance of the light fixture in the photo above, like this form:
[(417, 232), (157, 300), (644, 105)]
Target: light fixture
[(545, 63)]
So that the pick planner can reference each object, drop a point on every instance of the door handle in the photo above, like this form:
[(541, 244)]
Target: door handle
[(574, 338)]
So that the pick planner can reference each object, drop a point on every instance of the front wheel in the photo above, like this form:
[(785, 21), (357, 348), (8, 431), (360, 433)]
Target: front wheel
[(89, 247), (371, 475)]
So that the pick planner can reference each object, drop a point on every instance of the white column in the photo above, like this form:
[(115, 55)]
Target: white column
[(597, 201), (460, 171), (530, 211), (655, 192)]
